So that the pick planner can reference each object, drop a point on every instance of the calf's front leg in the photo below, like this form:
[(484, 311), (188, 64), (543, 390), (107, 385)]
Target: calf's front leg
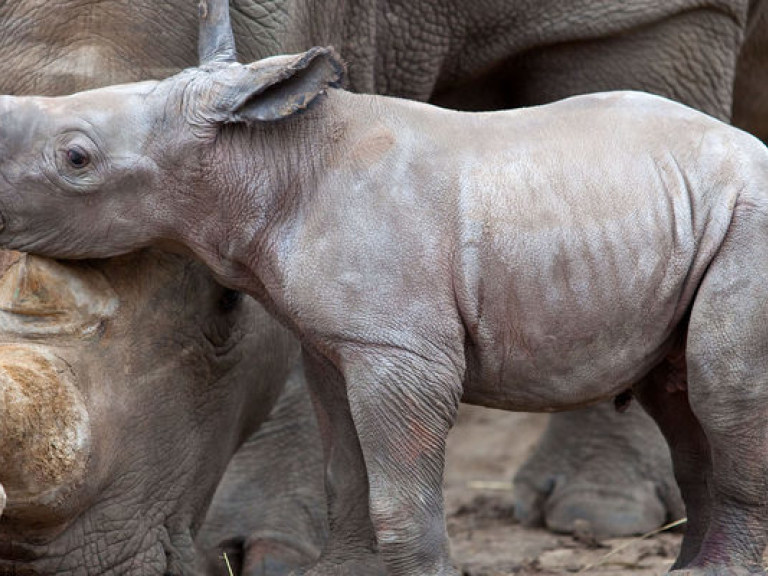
[(403, 406)]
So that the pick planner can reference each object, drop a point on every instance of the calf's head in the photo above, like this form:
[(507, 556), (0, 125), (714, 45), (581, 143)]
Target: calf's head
[(104, 172)]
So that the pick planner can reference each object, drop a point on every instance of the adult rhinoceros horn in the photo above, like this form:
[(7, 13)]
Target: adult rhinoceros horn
[(45, 432), (216, 43)]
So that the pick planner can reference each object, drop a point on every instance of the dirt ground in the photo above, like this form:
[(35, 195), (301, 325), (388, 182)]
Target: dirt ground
[(484, 450)]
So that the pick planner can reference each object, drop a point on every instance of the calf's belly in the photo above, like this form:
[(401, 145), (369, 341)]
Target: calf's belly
[(559, 374)]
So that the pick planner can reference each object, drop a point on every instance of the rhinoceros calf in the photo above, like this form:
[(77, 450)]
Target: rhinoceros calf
[(516, 260)]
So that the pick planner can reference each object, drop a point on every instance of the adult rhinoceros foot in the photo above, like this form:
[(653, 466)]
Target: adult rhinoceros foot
[(599, 471)]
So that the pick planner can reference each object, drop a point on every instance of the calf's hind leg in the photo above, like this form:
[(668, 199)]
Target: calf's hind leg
[(666, 401), (727, 357)]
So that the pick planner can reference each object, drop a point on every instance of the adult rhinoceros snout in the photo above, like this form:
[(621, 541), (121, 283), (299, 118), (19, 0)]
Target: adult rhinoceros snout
[(44, 426)]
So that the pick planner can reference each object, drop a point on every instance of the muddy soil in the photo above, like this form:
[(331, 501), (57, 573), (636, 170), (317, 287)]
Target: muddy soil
[(484, 450)]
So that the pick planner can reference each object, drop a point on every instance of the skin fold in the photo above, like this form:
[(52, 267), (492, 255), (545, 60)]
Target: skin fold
[(57, 47), (559, 256)]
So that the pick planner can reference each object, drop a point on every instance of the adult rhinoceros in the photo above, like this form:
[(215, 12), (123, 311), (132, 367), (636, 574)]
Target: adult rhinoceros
[(126, 387)]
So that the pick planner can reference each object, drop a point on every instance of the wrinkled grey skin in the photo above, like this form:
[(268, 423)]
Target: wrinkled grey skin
[(611, 469), (163, 411), (562, 489), (557, 257), (505, 54), (750, 107), (269, 509)]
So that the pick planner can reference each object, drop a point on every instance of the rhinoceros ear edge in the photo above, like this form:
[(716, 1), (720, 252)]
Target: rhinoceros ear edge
[(288, 86)]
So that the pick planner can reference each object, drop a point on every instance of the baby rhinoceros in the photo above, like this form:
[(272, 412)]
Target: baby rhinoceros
[(526, 260)]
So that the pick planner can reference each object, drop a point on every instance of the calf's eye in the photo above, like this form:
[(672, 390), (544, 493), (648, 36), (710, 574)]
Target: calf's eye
[(77, 158)]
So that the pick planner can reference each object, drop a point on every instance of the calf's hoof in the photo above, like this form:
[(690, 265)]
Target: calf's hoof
[(600, 471)]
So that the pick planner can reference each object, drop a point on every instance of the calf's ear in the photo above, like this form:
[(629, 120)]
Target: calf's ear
[(278, 87)]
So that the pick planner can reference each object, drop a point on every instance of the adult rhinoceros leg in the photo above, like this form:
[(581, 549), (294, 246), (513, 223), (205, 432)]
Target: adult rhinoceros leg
[(269, 511), (611, 477), (351, 549), (750, 107)]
